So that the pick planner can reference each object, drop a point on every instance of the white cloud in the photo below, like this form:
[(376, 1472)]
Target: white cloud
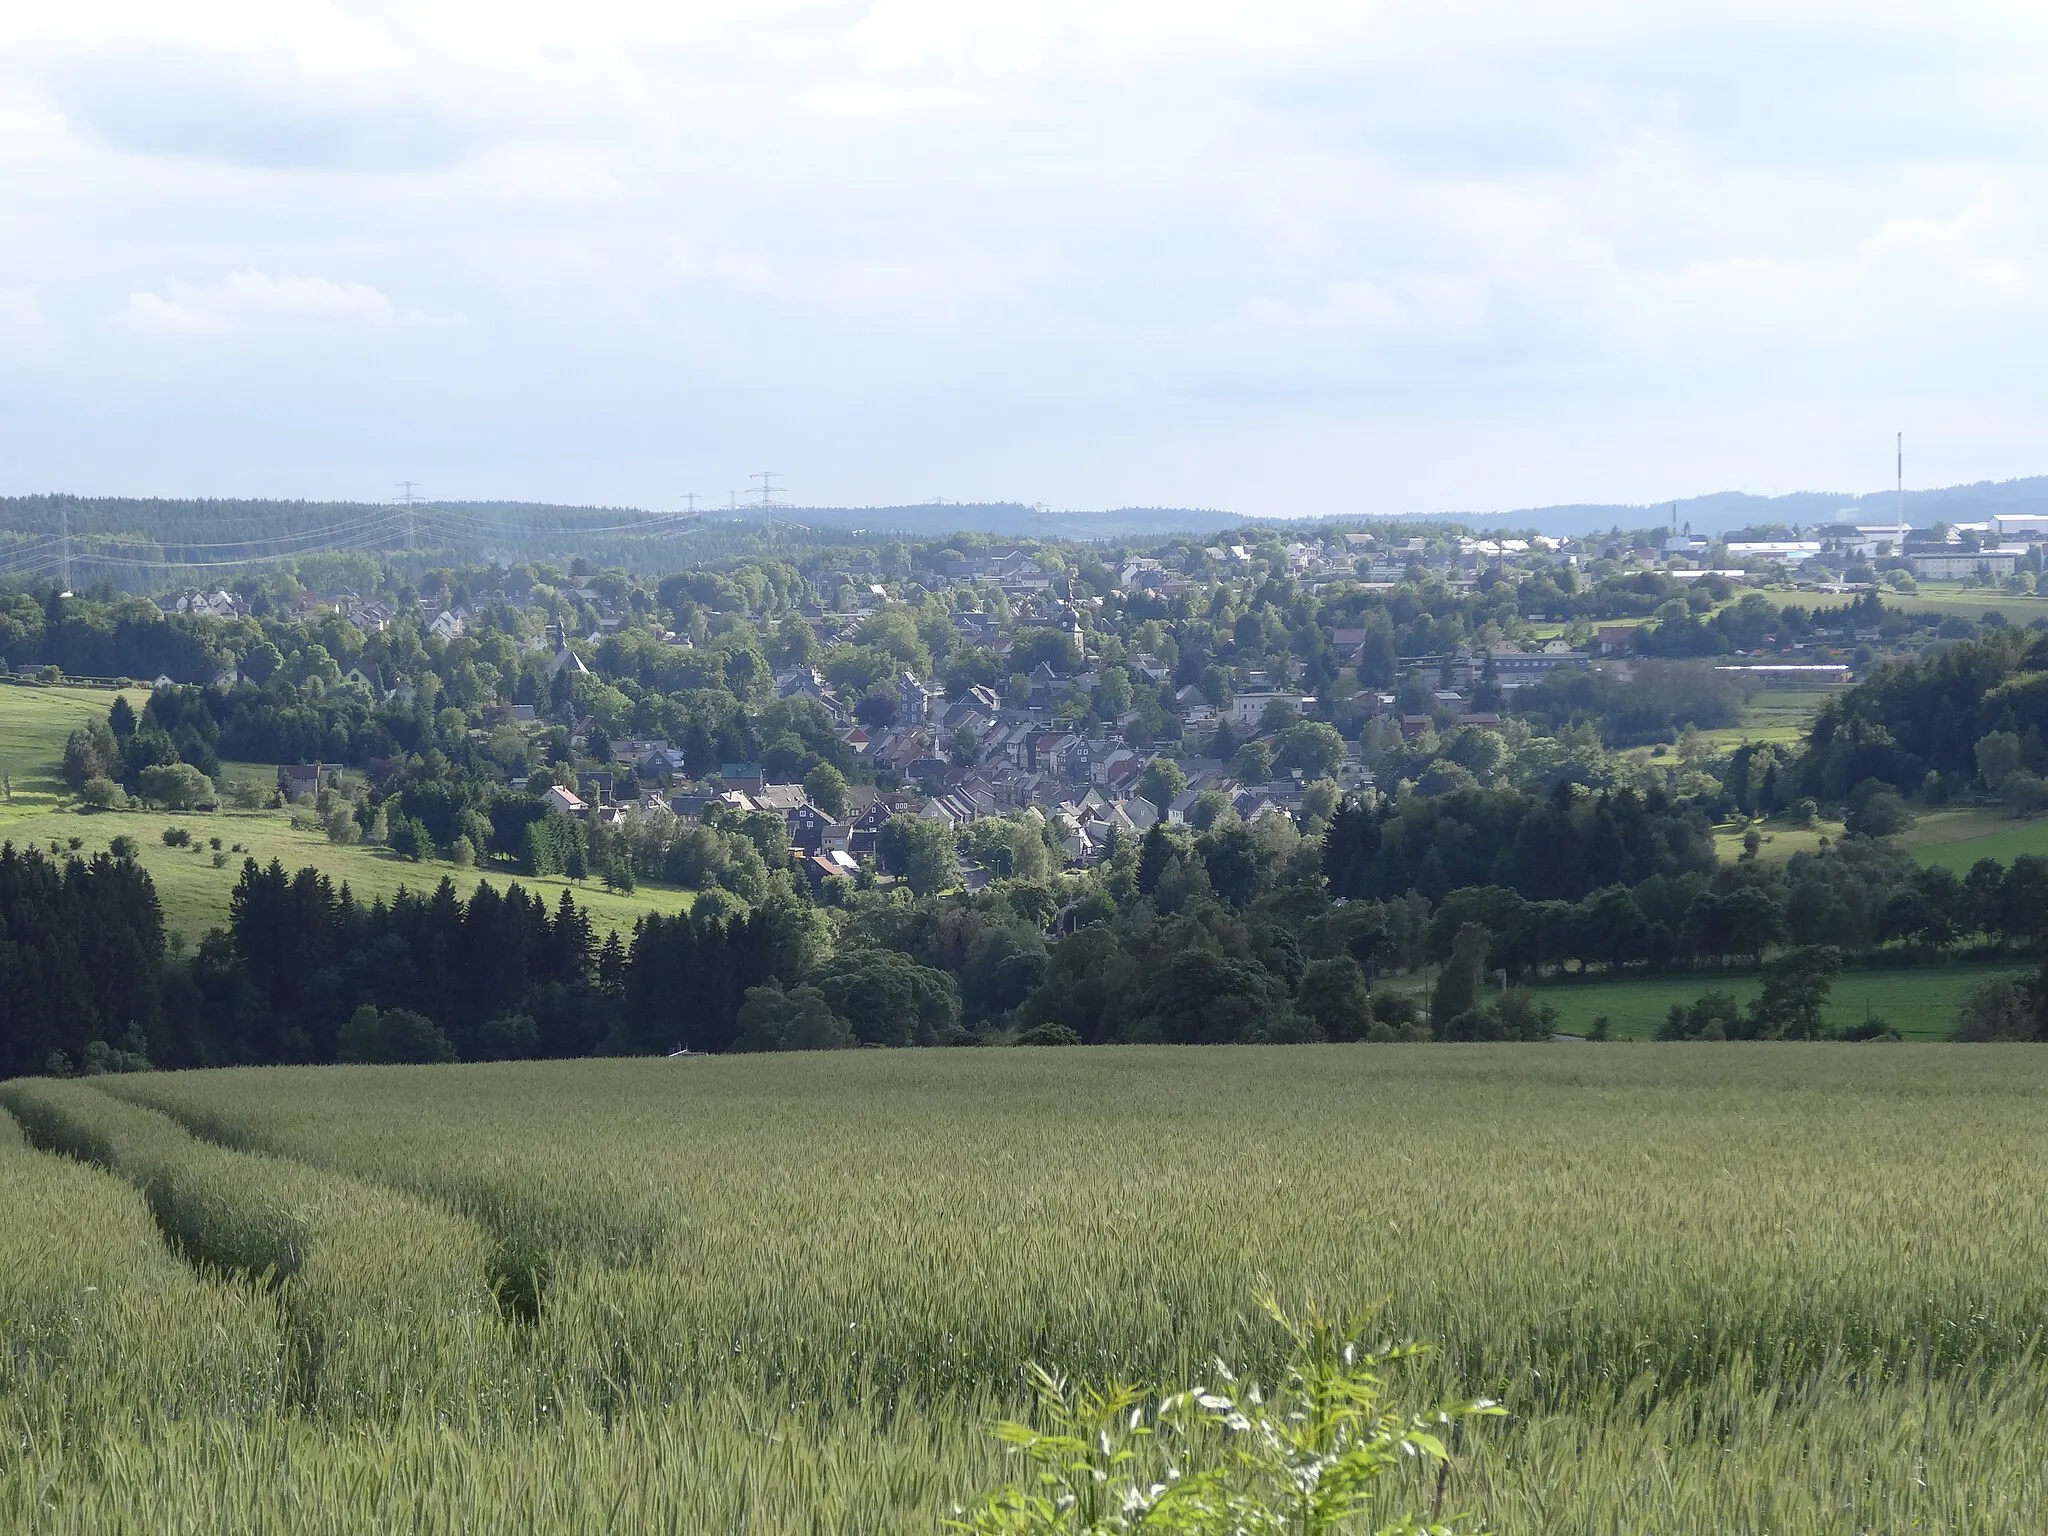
[(256, 301), (1362, 254)]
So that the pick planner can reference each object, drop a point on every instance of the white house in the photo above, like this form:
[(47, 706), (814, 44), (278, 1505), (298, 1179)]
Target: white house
[(565, 801), (1249, 708)]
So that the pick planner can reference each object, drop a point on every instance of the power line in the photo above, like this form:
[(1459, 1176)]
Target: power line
[(58, 553), (407, 498)]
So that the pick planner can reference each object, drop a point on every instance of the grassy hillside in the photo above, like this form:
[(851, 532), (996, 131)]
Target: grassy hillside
[(1958, 838), (193, 887), (1920, 1004), (33, 724), (1718, 1289), (1954, 837)]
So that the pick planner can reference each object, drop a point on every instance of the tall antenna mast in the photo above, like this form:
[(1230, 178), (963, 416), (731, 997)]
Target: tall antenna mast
[(1902, 485), (65, 590)]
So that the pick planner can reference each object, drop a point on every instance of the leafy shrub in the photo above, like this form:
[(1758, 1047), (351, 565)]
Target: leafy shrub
[(2026, 793), (102, 794), (175, 786), (1049, 1034), (1307, 1455), (796, 1019), (397, 1035), (1998, 1008)]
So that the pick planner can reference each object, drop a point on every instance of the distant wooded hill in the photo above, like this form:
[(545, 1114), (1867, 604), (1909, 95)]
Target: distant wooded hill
[(142, 544)]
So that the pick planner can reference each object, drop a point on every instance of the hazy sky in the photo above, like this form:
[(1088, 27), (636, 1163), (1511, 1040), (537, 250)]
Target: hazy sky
[(1462, 254)]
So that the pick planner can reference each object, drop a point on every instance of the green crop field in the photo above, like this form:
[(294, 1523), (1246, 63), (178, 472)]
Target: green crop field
[(1970, 602), (193, 888), (1919, 1003), (1767, 1288)]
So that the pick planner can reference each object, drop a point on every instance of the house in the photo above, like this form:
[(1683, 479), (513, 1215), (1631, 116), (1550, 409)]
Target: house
[(967, 716), (783, 799), (372, 618), (879, 811), (304, 781), (1615, 639), (912, 701), (749, 778), (803, 682), (661, 763), (820, 867), (1533, 666), (1249, 708), (522, 714), (213, 605), (448, 624), (565, 801), (807, 827)]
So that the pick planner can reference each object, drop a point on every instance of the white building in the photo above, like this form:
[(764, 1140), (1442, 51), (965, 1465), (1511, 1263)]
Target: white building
[(1249, 708), (1959, 565), (1783, 551)]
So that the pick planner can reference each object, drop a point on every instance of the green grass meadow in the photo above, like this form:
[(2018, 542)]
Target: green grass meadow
[(34, 720), (1720, 1288), (195, 893), (1919, 1003), (194, 890), (1956, 839), (1970, 602)]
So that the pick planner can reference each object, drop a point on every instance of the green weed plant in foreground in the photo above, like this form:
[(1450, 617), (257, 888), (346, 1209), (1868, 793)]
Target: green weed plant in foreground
[(1795, 1289), (1308, 1458)]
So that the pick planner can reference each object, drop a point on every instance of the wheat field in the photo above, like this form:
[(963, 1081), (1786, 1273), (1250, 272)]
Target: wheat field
[(1779, 1289)]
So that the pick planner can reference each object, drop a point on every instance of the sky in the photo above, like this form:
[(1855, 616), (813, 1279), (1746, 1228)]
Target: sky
[(1451, 255)]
